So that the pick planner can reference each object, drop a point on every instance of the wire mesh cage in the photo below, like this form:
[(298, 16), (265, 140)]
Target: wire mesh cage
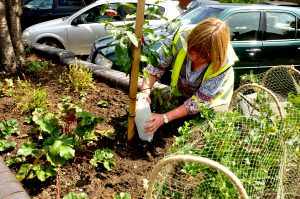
[(249, 147), (182, 185), (258, 140), (282, 80)]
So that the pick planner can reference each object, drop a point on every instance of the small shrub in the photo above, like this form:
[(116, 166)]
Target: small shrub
[(36, 67), (27, 98), (7, 87), (78, 78)]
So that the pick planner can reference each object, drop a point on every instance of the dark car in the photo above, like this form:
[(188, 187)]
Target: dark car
[(262, 36), (279, 3), (36, 11), (196, 3)]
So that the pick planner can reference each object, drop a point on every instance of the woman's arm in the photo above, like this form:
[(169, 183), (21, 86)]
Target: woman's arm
[(147, 85), (156, 120)]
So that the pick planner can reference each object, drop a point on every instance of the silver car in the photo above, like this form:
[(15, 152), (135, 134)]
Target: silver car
[(78, 31)]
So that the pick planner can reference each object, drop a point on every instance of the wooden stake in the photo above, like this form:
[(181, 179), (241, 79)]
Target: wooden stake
[(135, 51)]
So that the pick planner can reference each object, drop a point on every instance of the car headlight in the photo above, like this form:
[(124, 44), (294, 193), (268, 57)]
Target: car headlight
[(26, 35), (103, 61)]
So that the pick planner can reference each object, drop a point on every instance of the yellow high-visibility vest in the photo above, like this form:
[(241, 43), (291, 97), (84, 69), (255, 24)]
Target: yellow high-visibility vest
[(224, 95)]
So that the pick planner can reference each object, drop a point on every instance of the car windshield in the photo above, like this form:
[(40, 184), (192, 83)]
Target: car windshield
[(38, 4), (198, 14)]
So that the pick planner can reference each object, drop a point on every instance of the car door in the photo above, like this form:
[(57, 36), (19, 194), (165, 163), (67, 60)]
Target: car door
[(88, 27), (246, 39), (281, 44)]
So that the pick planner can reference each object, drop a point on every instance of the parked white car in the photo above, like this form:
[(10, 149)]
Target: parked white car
[(78, 31)]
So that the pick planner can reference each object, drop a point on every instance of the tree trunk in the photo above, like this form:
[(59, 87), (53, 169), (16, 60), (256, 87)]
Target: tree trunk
[(7, 54), (14, 11)]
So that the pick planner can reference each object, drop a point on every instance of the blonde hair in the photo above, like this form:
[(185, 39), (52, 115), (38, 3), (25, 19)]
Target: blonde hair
[(210, 38)]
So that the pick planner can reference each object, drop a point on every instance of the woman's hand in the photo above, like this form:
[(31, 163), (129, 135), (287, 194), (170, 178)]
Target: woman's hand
[(143, 95), (154, 122)]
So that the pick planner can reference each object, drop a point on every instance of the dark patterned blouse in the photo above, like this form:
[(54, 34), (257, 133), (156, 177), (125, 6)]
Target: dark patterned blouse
[(189, 84)]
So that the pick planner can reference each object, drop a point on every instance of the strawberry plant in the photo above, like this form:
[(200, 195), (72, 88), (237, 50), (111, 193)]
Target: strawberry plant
[(73, 195), (122, 195), (5, 144), (106, 157), (58, 136), (8, 127)]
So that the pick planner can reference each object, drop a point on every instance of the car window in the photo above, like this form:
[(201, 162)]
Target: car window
[(112, 12), (280, 26), (244, 26), (198, 14), (39, 4), (66, 3)]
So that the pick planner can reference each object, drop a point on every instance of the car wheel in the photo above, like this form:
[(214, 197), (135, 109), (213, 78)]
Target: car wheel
[(51, 42)]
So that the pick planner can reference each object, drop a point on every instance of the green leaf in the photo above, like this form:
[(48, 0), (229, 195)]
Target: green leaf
[(5, 144), (144, 58), (67, 152), (48, 123), (28, 149), (133, 38), (122, 195), (119, 51), (106, 157), (103, 103), (84, 114), (9, 127), (55, 160), (23, 171), (44, 172), (73, 195), (62, 149)]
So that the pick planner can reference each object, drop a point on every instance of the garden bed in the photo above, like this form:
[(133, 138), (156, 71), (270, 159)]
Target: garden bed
[(134, 162)]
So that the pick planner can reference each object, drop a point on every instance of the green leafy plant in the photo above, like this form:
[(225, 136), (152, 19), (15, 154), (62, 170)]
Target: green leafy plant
[(73, 195), (8, 87), (122, 195), (36, 66), (25, 95), (236, 142), (5, 144), (58, 136), (250, 78), (103, 103), (106, 157), (78, 78), (32, 98), (8, 127), (126, 38)]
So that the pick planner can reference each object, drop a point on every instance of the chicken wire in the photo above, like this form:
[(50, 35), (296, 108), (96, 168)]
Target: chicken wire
[(258, 140), (284, 83), (281, 80)]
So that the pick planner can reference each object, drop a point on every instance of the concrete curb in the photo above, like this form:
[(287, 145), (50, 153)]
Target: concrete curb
[(10, 187), (103, 72)]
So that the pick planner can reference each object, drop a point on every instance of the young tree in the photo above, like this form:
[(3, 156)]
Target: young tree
[(12, 54)]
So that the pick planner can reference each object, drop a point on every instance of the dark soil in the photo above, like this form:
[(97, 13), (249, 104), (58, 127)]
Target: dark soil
[(134, 161)]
